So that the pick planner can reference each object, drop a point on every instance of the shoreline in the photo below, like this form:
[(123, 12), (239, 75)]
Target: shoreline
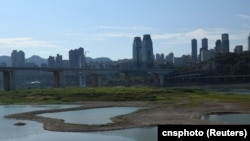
[(154, 113)]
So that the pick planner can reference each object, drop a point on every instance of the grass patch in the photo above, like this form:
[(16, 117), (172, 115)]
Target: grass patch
[(183, 97)]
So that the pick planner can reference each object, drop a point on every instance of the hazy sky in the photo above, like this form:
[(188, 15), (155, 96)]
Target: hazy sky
[(107, 27)]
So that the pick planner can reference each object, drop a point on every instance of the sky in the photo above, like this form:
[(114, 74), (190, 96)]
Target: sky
[(106, 28)]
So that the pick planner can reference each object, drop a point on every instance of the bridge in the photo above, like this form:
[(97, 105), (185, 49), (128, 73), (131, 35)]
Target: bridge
[(8, 74)]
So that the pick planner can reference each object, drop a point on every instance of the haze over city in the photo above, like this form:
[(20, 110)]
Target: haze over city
[(107, 28)]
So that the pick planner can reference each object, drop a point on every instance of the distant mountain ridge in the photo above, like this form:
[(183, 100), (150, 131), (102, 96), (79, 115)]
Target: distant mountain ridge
[(5, 59), (39, 60), (99, 59), (36, 59)]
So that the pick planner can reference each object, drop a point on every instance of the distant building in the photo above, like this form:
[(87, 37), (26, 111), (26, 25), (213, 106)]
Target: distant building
[(178, 61), (66, 63), (51, 62), (3, 64), (207, 55), (137, 57), (147, 52), (17, 58), (238, 49), (157, 57), (225, 43), (59, 61), (160, 58), (170, 58), (194, 50), (184, 60), (218, 47), (76, 58), (204, 45)]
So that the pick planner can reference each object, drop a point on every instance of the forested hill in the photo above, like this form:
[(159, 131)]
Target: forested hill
[(231, 64), (226, 64)]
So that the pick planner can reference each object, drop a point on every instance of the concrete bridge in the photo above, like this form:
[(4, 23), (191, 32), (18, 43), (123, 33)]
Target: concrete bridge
[(8, 74)]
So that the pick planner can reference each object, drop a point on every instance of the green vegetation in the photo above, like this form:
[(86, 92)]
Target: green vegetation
[(232, 63), (179, 96), (224, 64)]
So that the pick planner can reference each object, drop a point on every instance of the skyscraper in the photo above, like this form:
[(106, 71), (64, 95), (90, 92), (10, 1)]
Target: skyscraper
[(225, 43), (204, 44), (59, 61), (249, 42), (137, 44), (194, 50), (147, 52), (218, 47), (51, 62), (17, 58), (75, 57)]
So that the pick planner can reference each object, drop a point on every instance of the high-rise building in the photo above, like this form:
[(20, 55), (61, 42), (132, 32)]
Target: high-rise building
[(137, 44), (225, 43), (147, 52), (249, 42), (204, 44), (17, 58), (218, 47), (51, 62), (194, 50), (238, 49), (162, 57), (59, 61), (76, 58), (170, 58), (159, 58)]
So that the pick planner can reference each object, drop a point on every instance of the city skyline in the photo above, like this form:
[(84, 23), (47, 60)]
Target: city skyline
[(107, 28)]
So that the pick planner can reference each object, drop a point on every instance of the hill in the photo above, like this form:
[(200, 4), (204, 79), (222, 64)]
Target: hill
[(224, 64), (232, 63), (36, 59), (5, 59), (39, 60)]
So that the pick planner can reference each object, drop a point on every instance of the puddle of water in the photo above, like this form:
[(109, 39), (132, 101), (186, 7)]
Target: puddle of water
[(234, 118), (91, 116), (7, 128)]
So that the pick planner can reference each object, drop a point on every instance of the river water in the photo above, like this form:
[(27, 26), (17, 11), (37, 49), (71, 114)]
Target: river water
[(33, 131), (91, 116)]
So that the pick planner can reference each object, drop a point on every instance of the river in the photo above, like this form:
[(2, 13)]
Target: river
[(34, 131)]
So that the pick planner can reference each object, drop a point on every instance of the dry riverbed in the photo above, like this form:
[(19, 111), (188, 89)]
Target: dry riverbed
[(152, 114)]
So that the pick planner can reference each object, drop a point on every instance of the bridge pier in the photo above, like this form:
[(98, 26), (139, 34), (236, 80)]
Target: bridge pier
[(8, 80), (158, 79), (127, 79), (82, 80), (97, 80), (57, 79)]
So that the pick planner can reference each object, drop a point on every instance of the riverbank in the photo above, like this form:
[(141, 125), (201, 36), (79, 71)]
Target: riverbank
[(153, 114), (194, 95), (160, 105)]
